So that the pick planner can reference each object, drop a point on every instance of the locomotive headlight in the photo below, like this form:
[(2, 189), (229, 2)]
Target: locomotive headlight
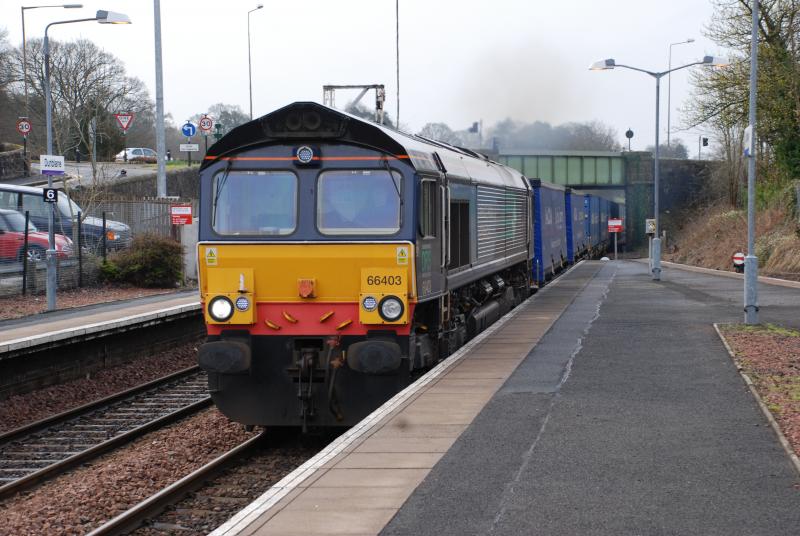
[(220, 308), (390, 308)]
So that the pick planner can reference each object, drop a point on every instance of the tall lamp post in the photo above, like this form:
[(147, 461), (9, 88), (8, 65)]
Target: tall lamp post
[(751, 261), (25, 49), (161, 146), (103, 17), (669, 83), (249, 63), (608, 64)]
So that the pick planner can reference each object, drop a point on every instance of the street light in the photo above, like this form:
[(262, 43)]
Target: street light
[(751, 260), (103, 17), (608, 64), (669, 83), (25, 50), (249, 64)]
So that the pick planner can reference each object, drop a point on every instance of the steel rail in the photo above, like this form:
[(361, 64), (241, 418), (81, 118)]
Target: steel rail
[(62, 466), (36, 426), (157, 503)]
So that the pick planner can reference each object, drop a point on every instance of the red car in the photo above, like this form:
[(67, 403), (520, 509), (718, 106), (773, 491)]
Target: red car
[(12, 239)]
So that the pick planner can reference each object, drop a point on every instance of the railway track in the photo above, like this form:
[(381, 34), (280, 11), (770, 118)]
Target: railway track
[(37, 452), (206, 498)]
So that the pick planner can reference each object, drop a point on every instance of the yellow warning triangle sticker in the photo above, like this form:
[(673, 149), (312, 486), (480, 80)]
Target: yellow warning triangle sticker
[(402, 255), (211, 256)]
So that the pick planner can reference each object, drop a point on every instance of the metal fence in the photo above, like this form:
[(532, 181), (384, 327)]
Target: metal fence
[(82, 246)]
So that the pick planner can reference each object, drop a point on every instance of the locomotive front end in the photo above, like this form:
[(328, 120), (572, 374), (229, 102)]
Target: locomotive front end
[(305, 333), (306, 267)]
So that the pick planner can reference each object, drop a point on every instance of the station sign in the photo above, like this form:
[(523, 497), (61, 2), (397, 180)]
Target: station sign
[(50, 195), (614, 225), (190, 147), (181, 214), (50, 164)]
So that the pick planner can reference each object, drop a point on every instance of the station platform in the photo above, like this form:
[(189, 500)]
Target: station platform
[(65, 324), (606, 405)]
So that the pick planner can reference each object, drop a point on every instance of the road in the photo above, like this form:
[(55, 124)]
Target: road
[(108, 171)]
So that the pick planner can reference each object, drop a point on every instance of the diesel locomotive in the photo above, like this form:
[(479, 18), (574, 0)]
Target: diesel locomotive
[(338, 259)]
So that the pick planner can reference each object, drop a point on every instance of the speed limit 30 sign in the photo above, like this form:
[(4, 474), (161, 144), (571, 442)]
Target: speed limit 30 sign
[(206, 124), (24, 127)]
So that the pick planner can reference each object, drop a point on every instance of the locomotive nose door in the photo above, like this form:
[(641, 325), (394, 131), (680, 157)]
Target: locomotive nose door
[(431, 252)]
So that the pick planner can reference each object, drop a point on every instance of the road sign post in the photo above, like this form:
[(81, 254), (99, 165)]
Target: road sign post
[(188, 130), (51, 165), (738, 262), (24, 128), (205, 124), (615, 227), (124, 119)]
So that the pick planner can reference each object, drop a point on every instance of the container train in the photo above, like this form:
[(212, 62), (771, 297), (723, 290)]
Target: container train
[(339, 259)]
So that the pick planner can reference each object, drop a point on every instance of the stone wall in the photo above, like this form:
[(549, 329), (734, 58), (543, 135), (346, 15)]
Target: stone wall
[(682, 185), (12, 162)]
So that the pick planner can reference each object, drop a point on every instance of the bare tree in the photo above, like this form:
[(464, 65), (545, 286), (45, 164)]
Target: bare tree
[(88, 85), (440, 132), (676, 149)]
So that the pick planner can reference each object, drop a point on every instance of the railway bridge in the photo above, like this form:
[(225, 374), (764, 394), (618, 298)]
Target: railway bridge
[(624, 177)]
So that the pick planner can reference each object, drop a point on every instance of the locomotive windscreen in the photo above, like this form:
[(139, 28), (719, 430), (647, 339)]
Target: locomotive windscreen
[(358, 202), (255, 203)]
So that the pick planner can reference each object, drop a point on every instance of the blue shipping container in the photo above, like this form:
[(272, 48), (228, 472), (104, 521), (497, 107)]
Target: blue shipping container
[(549, 233)]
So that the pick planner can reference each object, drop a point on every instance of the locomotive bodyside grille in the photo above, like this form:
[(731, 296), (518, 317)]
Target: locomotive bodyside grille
[(502, 220)]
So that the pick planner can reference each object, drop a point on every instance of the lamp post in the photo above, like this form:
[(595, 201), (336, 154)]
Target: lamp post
[(669, 83), (103, 17), (25, 49), (751, 261), (249, 64), (608, 64), (161, 167)]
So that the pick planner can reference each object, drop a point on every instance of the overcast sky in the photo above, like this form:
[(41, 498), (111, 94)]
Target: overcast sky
[(460, 60)]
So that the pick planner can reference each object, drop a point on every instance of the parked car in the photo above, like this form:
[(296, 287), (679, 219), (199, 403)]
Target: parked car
[(137, 155), (22, 198), (12, 239)]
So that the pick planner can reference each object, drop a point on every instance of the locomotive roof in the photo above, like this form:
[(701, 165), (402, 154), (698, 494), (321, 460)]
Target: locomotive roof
[(305, 122)]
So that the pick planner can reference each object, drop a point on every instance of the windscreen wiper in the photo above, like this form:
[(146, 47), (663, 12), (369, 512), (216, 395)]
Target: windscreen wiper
[(218, 191)]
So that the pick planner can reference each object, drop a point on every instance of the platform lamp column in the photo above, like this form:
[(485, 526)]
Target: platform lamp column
[(103, 17), (751, 261), (249, 63), (25, 54), (608, 64), (669, 84), (161, 145)]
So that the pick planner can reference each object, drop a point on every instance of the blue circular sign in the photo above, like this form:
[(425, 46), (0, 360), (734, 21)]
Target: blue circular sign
[(189, 130)]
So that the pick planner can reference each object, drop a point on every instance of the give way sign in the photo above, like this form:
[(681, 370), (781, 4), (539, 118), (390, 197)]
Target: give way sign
[(124, 120)]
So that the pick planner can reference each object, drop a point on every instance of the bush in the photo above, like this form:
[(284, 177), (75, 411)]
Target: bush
[(151, 261)]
